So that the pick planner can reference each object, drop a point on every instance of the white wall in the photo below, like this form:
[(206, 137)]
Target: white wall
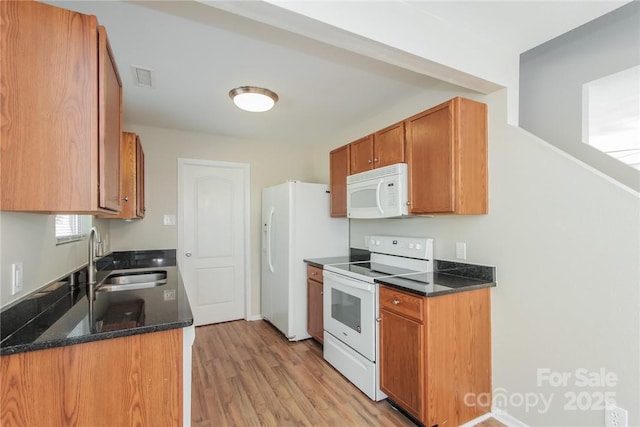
[(269, 165), (566, 243), (30, 238)]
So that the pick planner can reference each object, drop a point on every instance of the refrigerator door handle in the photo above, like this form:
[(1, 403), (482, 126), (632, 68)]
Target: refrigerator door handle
[(269, 225)]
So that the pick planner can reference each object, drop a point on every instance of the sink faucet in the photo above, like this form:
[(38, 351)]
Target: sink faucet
[(94, 237)]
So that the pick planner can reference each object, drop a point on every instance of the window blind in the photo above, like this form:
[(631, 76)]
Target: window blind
[(68, 228)]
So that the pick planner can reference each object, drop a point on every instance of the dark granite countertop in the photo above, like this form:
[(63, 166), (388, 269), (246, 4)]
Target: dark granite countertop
[(449, 277), (59, 314), (435, 284)]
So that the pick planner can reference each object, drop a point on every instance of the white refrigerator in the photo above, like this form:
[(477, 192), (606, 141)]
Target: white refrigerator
[(295, 226)]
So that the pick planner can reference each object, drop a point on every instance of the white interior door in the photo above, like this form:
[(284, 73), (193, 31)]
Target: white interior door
[(213, 238)]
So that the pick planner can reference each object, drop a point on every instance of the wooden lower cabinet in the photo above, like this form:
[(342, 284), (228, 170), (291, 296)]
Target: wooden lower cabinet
[(134, 380), (315, 324), (402, 369), (434, 352)]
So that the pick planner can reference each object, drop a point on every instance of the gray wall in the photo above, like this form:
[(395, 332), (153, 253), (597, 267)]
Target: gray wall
[(552, 75)]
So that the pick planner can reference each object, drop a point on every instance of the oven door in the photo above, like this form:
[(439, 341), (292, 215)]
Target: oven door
[(349, 312)]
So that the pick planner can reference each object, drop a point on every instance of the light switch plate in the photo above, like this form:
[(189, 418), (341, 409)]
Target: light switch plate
[(169, 220), (461, 250), (16, 278)]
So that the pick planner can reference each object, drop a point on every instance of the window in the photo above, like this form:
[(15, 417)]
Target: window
[(611, 115), (68, 228)]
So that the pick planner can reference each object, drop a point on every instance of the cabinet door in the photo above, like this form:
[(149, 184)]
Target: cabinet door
[(131, 178), (127, 176), (388, 146), (132, 380), (362, 155), (49, 108), (110, 132), (140, 206), (338, 172), (430, 152), (402, 361), (315, 324)]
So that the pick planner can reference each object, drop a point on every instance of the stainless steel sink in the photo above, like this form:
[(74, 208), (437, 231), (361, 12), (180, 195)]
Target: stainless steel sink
[(133, 280)]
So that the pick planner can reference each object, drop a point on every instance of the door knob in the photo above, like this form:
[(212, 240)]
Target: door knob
[(188, 254)]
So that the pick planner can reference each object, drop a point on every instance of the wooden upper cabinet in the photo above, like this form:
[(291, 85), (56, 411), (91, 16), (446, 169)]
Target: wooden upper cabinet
[(131, 178), (383, 148), (338, 171), (447, 158), (110, 122), (60, 112), (362, 155), (389, 146)]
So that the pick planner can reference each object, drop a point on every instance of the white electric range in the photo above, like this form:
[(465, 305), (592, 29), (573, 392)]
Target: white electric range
[(350, 305)]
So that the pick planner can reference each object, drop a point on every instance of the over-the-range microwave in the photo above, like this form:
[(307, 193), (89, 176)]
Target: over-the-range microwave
[(378, 193)]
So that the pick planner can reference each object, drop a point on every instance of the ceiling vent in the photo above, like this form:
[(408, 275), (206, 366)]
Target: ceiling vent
[(144, 77)]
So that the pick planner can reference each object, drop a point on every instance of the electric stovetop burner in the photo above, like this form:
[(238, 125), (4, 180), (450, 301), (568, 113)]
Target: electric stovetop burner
[(368, 271)]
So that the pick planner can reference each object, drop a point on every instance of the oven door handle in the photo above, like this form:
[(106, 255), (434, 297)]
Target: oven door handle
[(346, 281)]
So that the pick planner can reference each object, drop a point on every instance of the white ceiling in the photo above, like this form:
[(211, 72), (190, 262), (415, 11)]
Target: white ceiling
[(198, 53)]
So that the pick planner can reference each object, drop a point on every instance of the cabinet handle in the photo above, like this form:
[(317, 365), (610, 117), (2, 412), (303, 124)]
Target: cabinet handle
[(378, 319), (396, 302), (369, 161), (375, 159), (188, 254), (313, 273), (321, 292), (126, 199)]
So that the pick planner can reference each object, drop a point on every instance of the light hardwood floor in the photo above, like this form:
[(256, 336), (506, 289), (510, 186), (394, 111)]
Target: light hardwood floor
[(248, 374)]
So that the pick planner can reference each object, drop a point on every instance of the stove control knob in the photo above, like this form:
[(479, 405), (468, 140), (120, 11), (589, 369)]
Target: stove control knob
[(377, 242), (418, 246), (410, 245)]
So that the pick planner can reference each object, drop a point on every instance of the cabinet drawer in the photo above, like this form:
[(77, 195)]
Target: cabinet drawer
[(314, 273), (401, 302)]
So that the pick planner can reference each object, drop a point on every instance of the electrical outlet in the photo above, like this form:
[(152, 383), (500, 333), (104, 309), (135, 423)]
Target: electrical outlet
[(615, 416), (16, 278)]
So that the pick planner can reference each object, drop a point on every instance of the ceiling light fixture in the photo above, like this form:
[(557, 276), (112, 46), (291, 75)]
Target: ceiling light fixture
[(251, 98)]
